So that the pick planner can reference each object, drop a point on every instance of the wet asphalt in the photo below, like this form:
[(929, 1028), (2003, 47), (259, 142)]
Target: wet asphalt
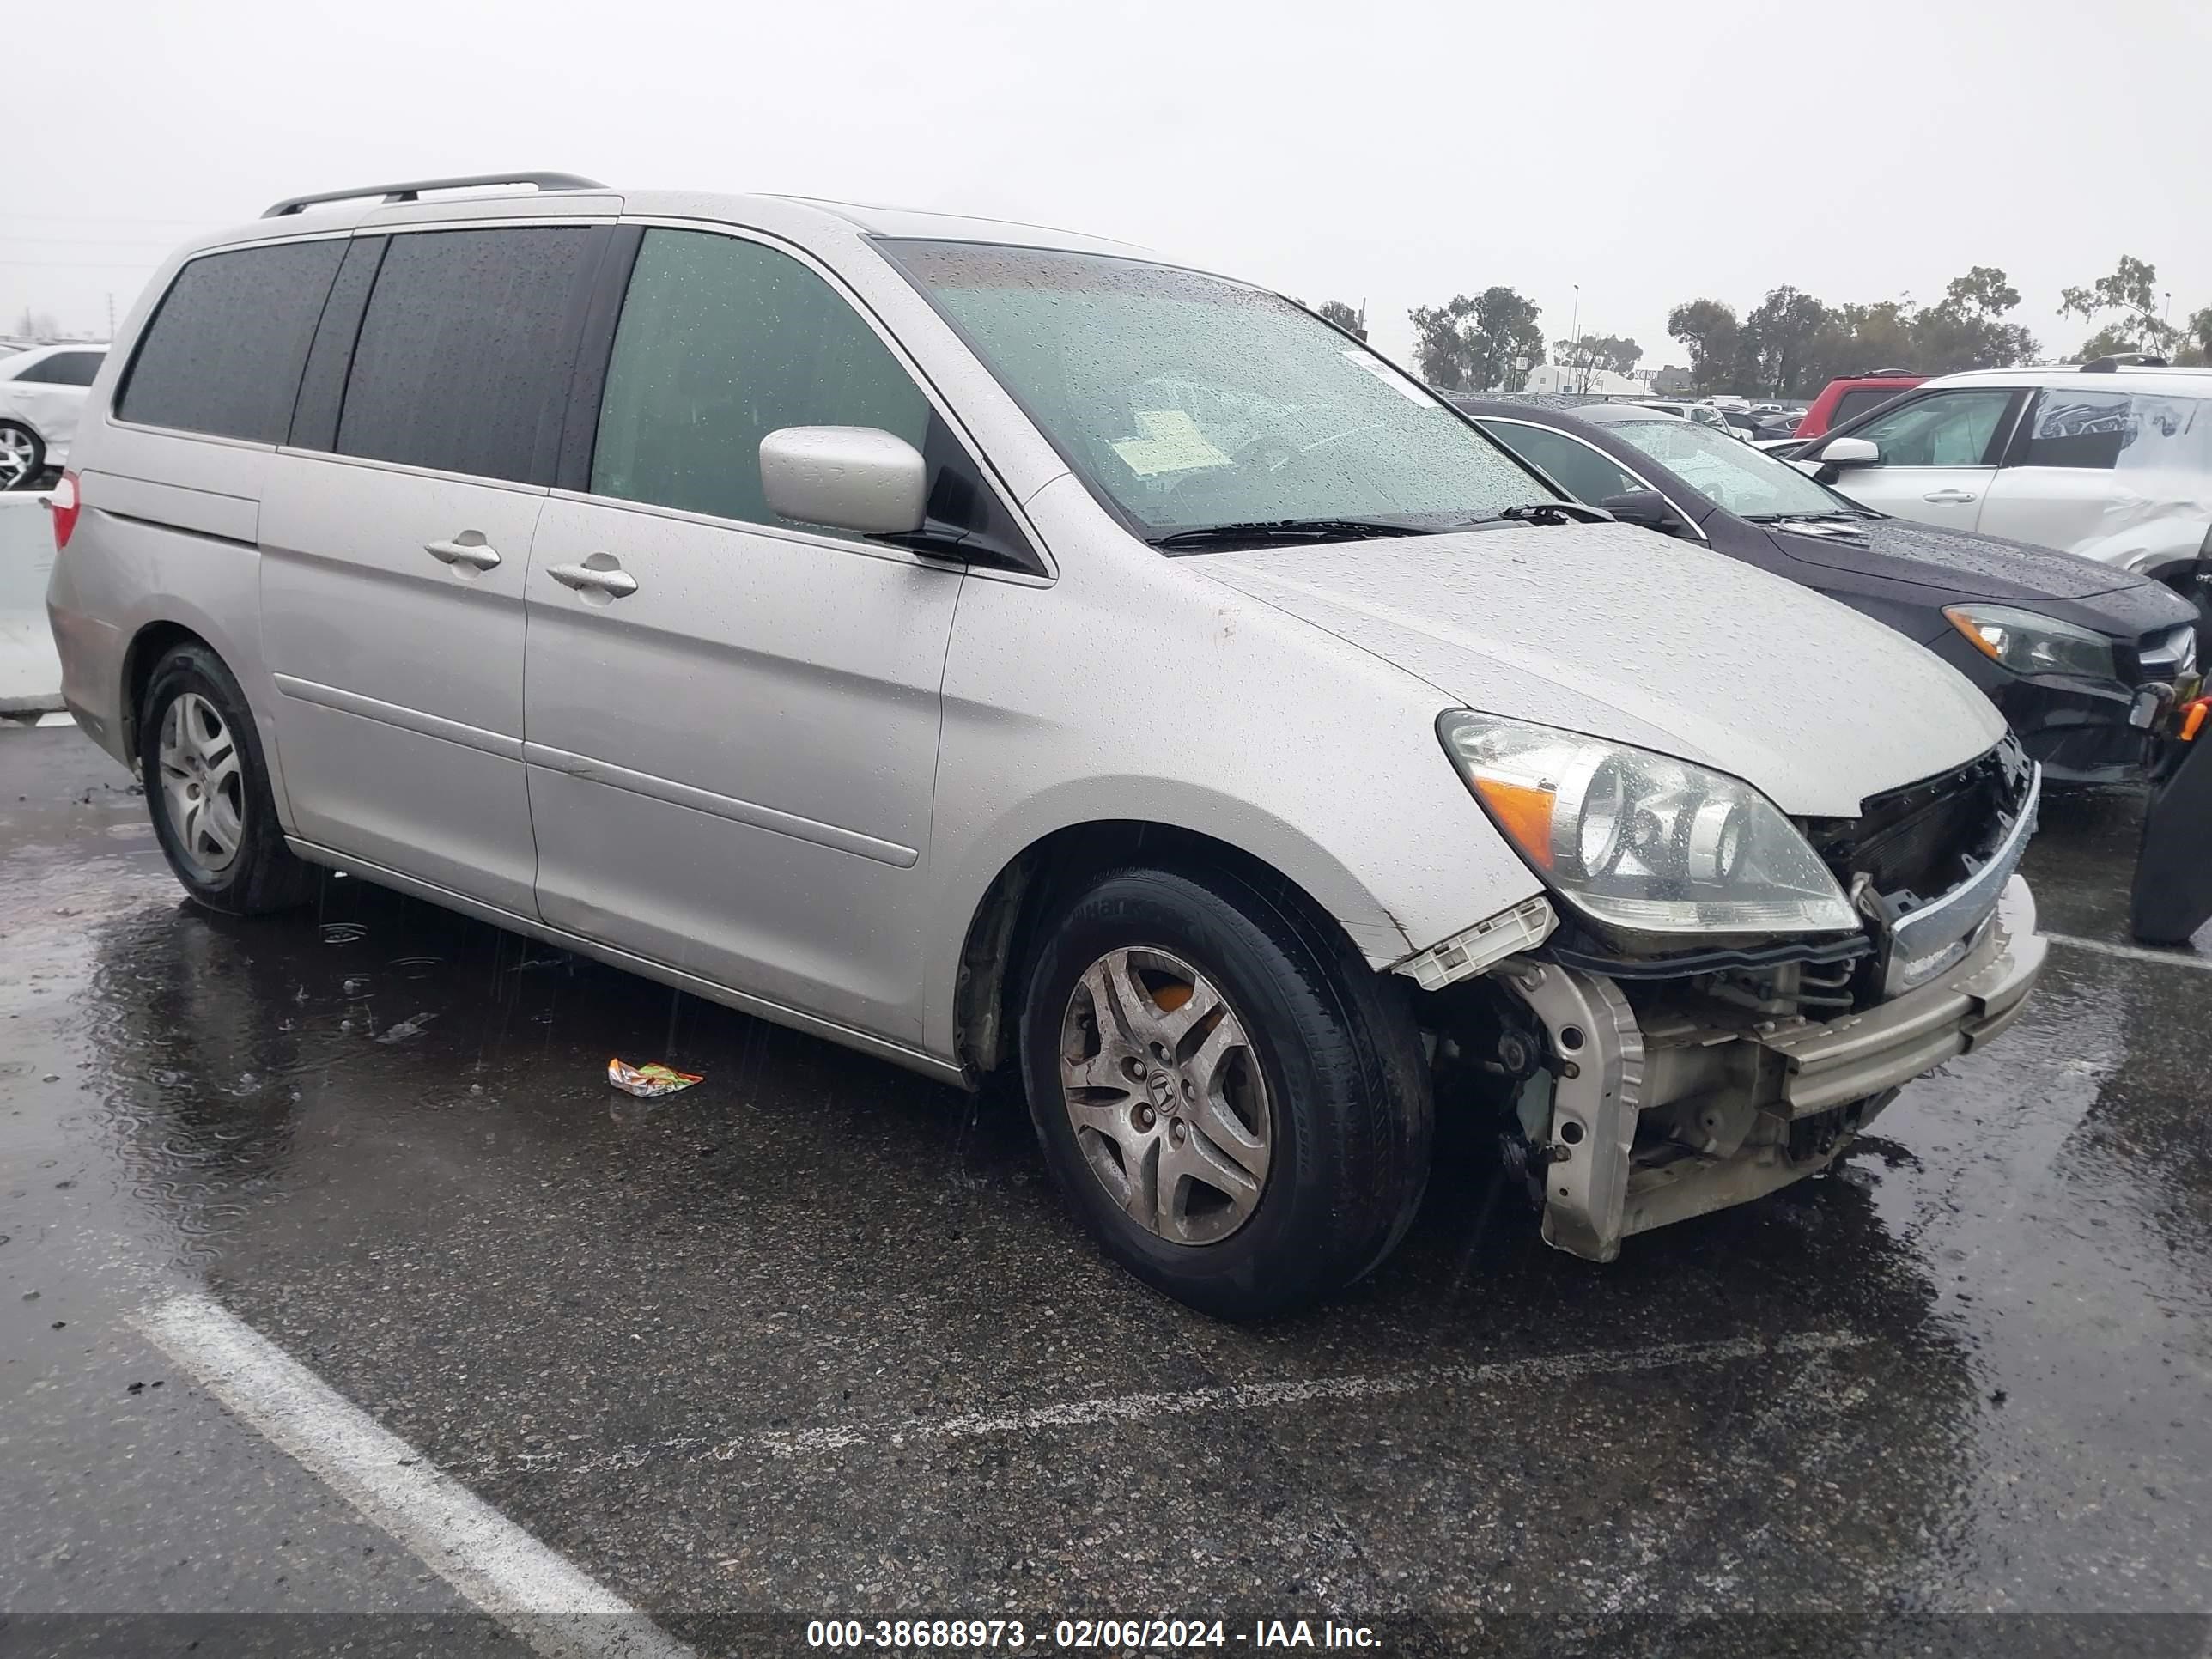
[(815, 1339)]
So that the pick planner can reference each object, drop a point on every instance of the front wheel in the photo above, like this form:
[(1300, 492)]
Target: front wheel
[(207, 788), (1232, 1103)]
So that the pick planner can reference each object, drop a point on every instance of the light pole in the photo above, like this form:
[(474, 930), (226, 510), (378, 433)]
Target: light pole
[(1575, 328)]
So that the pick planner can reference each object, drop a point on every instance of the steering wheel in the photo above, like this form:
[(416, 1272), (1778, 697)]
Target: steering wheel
[(1266, 453)]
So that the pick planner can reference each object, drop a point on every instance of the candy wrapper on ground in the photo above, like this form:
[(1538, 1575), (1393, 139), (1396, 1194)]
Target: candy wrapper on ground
[(647, 1082)]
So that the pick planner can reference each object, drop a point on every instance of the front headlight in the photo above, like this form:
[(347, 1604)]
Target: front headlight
[(2029, 644), (1641, 841)]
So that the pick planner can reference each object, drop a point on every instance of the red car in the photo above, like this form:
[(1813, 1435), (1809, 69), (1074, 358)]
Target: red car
[(1854, 394)]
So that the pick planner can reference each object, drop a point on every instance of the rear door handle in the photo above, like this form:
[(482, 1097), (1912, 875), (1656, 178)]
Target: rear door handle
[(468, 548), (1949, 497), (613, 581)]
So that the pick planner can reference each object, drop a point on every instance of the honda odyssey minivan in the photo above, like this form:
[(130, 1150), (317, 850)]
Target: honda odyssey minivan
[(1009, 651)]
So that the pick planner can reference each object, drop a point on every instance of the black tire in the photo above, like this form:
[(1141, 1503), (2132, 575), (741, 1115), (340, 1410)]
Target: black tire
[(1351, 1117), (38, 465), (263, 875)]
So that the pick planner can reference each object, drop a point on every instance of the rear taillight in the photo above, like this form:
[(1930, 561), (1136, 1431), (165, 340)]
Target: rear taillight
[(62, 502)]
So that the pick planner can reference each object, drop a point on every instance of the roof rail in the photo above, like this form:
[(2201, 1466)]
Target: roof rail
[(412, 190), (2119, 360)]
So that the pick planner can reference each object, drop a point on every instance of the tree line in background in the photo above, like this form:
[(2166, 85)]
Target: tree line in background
[(1791, 343)]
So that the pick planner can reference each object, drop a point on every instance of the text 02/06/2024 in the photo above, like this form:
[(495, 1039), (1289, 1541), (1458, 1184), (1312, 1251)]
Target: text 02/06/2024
[(1090, 1635)]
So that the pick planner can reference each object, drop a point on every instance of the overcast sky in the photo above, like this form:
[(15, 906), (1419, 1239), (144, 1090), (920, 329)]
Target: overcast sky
[(1393, 152)]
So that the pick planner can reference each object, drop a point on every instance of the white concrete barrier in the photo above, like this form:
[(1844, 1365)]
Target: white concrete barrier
[(30, 672)]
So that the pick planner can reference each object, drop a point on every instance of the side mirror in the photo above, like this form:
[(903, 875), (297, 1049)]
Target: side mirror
[(849, 477), (1645, 506), (1851, 452)]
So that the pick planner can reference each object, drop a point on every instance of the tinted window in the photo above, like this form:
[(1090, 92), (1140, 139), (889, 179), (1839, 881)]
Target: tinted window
[(1585, 473), (1851, 404), (223, 352), (64, 369), (464, 351), (1945, 429), (722, 342)]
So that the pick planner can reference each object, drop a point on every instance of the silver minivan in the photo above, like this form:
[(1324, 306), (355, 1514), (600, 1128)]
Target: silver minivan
[(1008, 651)]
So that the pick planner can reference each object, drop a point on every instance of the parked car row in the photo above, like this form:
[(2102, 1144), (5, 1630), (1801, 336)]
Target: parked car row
[(2084, 661), (2113, 462), (1010, 652), (42, 391)]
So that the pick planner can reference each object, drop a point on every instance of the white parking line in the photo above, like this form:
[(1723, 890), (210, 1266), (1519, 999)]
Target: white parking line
[(1136, 1408), (2133, 952), (499, 1567), (1248, 1396)]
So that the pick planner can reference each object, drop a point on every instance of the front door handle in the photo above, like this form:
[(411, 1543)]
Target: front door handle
[(1948, 498), (468, 548), (611, 580)]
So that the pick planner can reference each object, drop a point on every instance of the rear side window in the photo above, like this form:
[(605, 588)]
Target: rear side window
[(722, 342), (464, 351), (2078, 428), (64, 369), (223, 353), (2103, 430)]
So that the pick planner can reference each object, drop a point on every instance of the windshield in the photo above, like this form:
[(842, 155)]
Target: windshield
[(1747, 482), (1190, 402)]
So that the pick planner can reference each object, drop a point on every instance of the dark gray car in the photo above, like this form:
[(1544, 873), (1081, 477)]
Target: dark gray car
[(2083, 659)]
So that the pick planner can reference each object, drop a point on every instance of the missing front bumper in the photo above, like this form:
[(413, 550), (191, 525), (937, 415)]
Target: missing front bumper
[(1778, 1098)]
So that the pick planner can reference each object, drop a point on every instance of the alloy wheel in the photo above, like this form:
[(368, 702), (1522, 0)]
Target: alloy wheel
[(1166, 1095), (202, 785), (19, 454)]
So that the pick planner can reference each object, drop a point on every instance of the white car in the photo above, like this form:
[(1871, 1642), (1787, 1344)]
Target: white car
[(1703, 414), (41, 393), (1008, 653), (2112, 461)]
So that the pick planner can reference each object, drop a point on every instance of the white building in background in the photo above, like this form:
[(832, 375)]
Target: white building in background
[(1598, 382)]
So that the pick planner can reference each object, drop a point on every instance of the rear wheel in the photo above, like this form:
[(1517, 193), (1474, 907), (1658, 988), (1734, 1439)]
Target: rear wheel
[(1230, 1100), (207, 788), (22, 455)]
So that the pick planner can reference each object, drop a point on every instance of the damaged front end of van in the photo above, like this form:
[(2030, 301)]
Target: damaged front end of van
[(1711, 999)]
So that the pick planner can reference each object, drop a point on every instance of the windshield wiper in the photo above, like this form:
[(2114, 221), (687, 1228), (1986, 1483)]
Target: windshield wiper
[(1547, 512), (1802, 518), (1299, 530)]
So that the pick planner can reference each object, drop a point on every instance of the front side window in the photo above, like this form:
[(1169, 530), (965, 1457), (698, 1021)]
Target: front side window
[(2104, 430), (464, 355), (1945, 429), (721, 341), (1190, 402), (1747, 482), (64, 369), (1587, 474), (225, 348)]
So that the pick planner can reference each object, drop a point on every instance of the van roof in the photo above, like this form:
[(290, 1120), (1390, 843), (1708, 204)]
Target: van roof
[(375, 208)]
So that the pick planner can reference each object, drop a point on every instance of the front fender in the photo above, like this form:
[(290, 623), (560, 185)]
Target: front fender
[(1140, 691)]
